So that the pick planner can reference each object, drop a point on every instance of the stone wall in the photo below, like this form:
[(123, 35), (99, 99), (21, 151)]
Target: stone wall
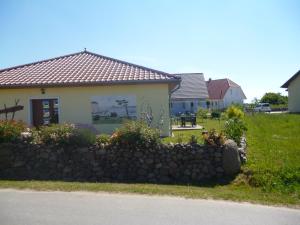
[(180, 163)]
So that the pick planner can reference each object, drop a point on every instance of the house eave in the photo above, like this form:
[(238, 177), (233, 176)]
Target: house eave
[(84, 84), (286, 84)]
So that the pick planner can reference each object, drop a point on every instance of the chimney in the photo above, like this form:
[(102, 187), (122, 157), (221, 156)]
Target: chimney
[(209, 80)]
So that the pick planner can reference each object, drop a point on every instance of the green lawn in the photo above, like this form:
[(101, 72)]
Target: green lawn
[(271, 175), (274, 152), (185, 135)]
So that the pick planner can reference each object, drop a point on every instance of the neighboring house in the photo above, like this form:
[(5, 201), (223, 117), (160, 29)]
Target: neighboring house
[(224, 92), (293, 87), (89, 89), (191, 94)]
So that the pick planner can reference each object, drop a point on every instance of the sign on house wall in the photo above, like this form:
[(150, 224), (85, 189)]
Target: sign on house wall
[(113, 109)]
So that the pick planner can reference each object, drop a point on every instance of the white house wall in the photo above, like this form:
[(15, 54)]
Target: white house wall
[(294, 95), (234, 95)]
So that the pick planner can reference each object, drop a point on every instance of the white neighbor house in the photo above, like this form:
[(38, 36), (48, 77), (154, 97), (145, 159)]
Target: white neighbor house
[(293, 87), (224, 92)]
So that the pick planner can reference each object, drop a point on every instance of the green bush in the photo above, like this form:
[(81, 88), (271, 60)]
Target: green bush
[(10, 130), (102, 139), (82, 137), (285, 180), (64, 134), (214, 138), (234, 112), (202, 113), (135, 133), (239, 106), (215, 114), (234, 129)]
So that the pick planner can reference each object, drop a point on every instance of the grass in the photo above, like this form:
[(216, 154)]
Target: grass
[(233, 191), (274, 152), (271, 175), (185, 135)]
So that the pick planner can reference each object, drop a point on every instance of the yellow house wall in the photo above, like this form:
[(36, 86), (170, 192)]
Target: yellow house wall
[(294, 95), (75, 102)]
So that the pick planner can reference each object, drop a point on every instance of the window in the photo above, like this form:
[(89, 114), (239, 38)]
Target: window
[(183, 105), (192, 104)]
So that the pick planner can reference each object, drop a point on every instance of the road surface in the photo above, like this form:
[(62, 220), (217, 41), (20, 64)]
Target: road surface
[(66, 208)]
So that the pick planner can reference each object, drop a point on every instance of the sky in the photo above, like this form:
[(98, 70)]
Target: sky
[(254, 43)]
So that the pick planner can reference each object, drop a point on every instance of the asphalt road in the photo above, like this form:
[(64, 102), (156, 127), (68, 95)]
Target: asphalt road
[(65, 208)]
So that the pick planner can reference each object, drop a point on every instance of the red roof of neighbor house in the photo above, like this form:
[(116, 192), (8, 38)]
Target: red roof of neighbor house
[(82, 68), (217, 88)]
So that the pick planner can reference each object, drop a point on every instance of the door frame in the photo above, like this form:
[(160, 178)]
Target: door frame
[(30, 114)]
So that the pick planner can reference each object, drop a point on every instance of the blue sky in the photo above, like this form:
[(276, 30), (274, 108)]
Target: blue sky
[(254, 43)]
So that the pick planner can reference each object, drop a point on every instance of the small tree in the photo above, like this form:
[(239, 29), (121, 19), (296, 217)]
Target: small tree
[(202, 113), (207, 104), (255, 101)]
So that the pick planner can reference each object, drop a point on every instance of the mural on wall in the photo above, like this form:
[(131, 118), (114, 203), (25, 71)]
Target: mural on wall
[(113, 109)]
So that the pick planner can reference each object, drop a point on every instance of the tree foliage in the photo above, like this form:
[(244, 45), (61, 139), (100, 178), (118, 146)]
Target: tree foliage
[(274, 98)]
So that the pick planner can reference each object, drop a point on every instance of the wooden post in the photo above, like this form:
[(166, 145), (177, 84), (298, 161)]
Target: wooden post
[(5, 111), (16, 104)]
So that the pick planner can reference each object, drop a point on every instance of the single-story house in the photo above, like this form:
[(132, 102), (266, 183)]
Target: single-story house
[(89, 89), (293, 87), (190, 95), (224, 92)]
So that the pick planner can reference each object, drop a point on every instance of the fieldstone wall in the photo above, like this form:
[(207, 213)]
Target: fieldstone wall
[(180, 163)]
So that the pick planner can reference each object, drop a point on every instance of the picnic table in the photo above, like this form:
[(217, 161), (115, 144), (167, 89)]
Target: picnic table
[(188, 118)]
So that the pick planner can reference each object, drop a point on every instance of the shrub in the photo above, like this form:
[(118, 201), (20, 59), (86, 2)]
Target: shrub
[(10, 130), (214, 138), (102, 139), (135, 133), (82, 137), (64, 134), (238, 105), (234, 129), (215, 114), (234, 112), (202, 113)]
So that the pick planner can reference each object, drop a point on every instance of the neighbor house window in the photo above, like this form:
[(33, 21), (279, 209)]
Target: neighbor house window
[(192, 104), (183, 105)]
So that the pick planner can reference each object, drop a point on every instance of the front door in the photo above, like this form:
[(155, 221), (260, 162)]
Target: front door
[(44, 111)]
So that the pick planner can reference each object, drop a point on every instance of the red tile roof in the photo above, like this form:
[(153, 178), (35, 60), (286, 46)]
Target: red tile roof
[(217, 88), (82, 68)]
